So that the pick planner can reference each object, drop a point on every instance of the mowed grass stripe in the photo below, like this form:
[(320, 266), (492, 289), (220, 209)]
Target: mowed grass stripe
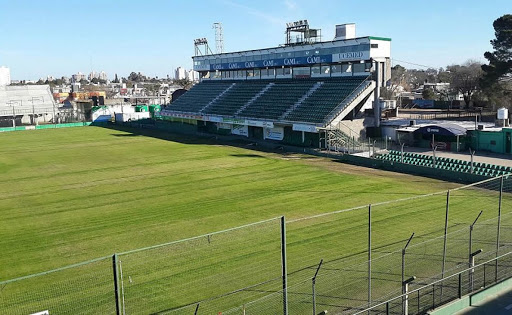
[(62, 203)]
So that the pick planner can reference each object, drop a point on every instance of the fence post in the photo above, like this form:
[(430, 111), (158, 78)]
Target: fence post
[(460, 285), (369, 255), (283, 263), (116, 282), (445, 237), (499, 230), (313, 282)]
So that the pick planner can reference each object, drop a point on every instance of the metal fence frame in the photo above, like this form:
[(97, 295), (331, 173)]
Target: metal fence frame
[(491, 271)]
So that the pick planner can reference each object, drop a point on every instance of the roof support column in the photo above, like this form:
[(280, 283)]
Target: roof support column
[(376, 94)]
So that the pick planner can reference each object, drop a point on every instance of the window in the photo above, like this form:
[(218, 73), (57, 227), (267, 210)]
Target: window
[(257, 73), (315, 70), (336, 68), (302, 72), (374, 45), (279, 71), (358, 67), (325, 70)]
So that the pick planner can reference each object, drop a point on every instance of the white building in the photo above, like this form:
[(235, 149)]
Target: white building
[(78, 77), (192, 75), (102, 76), (180, 73), (5, 76)]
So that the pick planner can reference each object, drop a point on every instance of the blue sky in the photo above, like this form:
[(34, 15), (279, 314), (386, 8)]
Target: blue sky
[(61, 37)]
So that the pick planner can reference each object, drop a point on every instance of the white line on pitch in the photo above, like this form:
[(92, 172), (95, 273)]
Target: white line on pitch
[(508, 307)]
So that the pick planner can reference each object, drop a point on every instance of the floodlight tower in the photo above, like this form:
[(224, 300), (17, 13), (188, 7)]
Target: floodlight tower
[(201, 43), (219, 38)]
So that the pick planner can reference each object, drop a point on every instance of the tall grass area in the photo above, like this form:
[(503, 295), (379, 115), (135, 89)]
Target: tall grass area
[(70, 195)]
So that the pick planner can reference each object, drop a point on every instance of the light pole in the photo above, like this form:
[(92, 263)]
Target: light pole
[(403, 267), (40, 98), (12, 103), (472, 152), (472, 270), (434, 148), (405, 289)]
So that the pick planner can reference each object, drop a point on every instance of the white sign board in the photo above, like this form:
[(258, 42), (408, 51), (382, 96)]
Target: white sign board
[(259, 123), (224, 126), (301, 127), (42, 313), (241, 130), (213, 118), (355, 55), (276, 133)]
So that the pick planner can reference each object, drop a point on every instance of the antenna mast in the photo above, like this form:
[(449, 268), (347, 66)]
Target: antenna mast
[(219, 38)]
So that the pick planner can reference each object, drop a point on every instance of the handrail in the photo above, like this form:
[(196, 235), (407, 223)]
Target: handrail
[(431, 284), (337, 110)]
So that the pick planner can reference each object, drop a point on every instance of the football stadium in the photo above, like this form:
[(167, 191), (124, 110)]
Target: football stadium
[(257, 191)]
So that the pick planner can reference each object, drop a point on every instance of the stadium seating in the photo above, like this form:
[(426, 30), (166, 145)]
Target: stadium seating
[(26, 99), (444, 163), (283, 99), (229, 103), (278, 99), (199, 96), (325, 99)]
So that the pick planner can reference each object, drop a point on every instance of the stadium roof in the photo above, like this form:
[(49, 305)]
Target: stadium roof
[(306, 44)]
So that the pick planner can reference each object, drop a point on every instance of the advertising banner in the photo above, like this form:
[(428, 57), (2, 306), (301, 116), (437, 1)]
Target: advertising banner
[(241, 130), (276, 133), (301, 127)]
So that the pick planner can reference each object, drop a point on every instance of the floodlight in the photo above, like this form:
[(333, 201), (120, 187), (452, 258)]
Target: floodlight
[(411, 279), (473, 254)]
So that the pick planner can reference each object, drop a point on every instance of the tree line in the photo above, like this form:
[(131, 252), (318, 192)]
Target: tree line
[(490, 83)]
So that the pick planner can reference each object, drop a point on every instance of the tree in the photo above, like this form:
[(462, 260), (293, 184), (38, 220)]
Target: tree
[(497, 79), (465, 79), (136, 77), (428, 94), (116, 79), (500, 60), (184, 83)]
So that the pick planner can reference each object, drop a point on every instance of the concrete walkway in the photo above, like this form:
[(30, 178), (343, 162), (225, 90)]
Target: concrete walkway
[(497, 304)]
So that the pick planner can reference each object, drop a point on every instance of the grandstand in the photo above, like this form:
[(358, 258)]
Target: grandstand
[(25, 101), (443, 163), (289, 93)]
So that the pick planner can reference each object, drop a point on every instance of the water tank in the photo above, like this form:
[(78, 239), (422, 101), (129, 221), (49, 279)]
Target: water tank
[(345, 31), (503, 113)]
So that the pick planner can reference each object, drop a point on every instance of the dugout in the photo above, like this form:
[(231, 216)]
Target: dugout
[(445, 136)]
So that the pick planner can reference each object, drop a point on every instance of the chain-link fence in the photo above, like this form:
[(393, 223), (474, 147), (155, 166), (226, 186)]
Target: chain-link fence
[(212, 271), (343, 262), (86, 288), (41, 116)]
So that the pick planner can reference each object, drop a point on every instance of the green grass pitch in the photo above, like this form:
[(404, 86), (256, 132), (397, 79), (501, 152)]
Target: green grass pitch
[(70, 195)]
